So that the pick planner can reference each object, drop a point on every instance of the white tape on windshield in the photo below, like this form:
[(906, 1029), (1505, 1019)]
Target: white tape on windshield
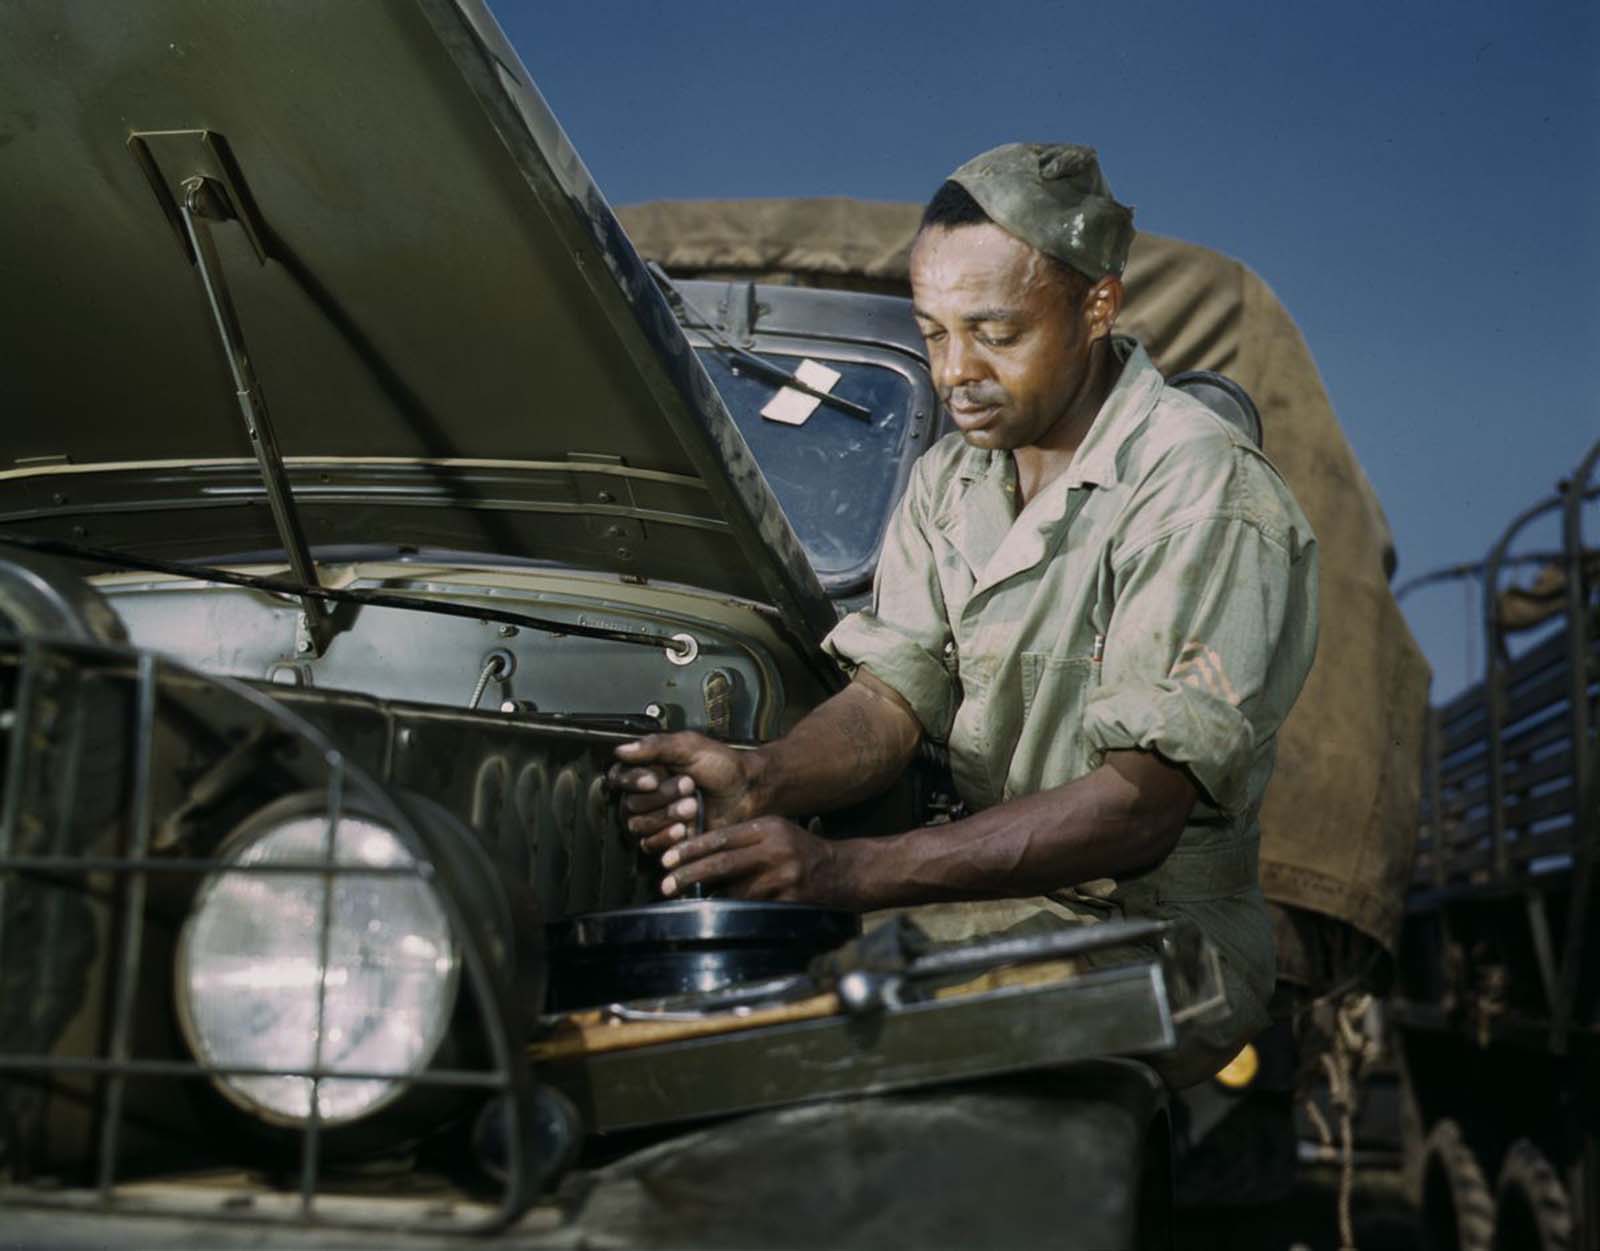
[(792, 407)]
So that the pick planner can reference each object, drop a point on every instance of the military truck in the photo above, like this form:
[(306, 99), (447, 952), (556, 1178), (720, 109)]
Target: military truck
[(1496, 1010), (360, 489)]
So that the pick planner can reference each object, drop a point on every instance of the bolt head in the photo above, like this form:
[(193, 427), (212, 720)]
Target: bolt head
[(858, 992)]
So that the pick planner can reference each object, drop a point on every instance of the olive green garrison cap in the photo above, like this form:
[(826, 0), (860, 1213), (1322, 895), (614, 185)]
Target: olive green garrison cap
[(1053, 196)]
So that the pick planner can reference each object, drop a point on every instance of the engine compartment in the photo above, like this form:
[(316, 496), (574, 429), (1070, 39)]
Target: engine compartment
[(727, 677)]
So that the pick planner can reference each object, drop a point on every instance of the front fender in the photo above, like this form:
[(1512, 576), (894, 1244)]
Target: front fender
[(1075, 1158)]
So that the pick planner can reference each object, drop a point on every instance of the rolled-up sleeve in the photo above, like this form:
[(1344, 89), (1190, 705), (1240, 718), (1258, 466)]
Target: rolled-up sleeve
[(904, 637), (1211, 635)]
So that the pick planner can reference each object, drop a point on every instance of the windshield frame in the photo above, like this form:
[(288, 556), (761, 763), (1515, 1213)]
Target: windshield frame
[(921, 424)]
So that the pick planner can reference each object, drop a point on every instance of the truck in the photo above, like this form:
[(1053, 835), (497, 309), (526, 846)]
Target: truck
[(1495, 1012), (361, 488), (318, 921)]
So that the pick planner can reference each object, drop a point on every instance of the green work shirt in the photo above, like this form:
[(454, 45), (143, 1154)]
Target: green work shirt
[(1159, 595)]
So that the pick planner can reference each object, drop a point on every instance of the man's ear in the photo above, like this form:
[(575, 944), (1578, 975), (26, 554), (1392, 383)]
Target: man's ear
[(1101, 305)]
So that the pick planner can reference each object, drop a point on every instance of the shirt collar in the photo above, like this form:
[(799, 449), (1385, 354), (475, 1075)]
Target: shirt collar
[(1130, 401)]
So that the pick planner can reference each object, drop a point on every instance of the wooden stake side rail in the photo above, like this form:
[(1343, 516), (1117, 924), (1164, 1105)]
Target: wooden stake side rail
[(1535, 782)]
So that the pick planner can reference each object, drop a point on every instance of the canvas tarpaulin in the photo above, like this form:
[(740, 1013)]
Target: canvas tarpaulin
[(1339, 822)]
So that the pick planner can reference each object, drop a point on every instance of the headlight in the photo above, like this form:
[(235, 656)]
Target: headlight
[(249, 965)]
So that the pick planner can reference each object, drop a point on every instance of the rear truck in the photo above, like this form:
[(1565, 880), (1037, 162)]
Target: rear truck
[(1495, 1013)]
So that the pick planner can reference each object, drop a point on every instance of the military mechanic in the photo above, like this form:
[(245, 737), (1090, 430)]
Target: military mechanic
[(1099, 595)]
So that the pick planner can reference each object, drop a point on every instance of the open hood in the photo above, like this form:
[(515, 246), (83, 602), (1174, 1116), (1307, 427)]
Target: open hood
[(459, 346)]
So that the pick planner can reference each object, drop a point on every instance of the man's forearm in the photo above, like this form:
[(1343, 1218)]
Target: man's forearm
[(1123, 817), (847, 749)]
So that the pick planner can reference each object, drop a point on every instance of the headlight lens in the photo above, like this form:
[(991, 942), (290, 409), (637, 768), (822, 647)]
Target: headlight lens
[(249, 966)]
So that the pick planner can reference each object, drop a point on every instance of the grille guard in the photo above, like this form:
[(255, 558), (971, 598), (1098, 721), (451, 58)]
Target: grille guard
[(59, 840)]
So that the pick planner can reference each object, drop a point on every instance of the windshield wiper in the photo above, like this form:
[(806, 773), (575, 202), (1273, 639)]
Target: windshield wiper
[(691, 318)]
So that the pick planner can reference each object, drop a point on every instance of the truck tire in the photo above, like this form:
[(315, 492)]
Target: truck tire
[(1531, 1211), (1457, 1207)]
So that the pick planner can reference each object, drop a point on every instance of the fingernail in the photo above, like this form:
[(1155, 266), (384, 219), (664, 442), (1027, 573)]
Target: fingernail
[(669, 886), (670, 860), (685, 786), (647, 782), (677, 831)]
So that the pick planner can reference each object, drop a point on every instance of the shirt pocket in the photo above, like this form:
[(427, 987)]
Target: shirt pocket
[(1049, 748), (1057, 686)]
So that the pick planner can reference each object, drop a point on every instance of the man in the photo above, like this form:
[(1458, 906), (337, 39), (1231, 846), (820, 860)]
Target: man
[(1098, 595)]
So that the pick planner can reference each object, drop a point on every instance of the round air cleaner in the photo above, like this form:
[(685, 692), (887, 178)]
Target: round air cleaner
[(684, 947)]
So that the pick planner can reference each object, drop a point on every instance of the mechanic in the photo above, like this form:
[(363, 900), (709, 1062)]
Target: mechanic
[(1097, 594)]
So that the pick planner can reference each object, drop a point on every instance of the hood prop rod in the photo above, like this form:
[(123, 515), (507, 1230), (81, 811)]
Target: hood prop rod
[(203, 201)]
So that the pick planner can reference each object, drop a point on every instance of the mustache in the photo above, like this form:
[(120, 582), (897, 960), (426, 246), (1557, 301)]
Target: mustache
[(978, 395)]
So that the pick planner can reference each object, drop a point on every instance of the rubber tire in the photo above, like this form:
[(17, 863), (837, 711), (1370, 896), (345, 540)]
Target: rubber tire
[(1457, 1209), (1531, 1209)]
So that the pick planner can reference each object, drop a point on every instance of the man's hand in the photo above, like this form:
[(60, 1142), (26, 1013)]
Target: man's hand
[(658, 776), (846, 749), (769, 858)]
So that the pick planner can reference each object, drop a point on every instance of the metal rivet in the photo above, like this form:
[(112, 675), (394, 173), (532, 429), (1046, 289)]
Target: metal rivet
[(508, 631), (624, 553), (604, 497)]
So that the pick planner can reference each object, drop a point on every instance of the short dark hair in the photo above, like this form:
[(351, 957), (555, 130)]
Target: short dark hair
[(952, 207)]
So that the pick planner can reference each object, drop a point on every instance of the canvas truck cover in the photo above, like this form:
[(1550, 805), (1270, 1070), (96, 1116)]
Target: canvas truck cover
[(1338, 825)]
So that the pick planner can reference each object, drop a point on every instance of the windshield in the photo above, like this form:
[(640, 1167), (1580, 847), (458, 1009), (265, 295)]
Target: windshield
[(835, 476)]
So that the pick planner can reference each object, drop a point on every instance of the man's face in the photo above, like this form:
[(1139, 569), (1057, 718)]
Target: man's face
[(1008, 337)]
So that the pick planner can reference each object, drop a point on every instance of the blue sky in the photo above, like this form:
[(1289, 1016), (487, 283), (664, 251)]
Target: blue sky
[(1419, 182)]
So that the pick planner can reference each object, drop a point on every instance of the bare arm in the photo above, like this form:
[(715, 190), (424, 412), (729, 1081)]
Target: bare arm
[(846, 749), (1124, 817)]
